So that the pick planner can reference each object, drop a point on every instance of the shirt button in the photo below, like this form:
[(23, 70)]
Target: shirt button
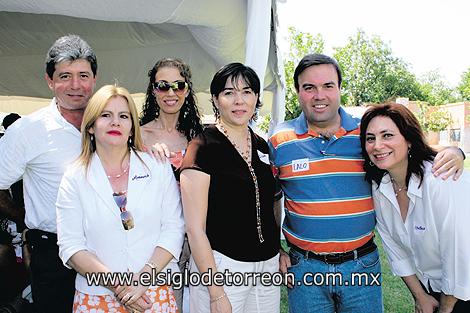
[(323, 141)]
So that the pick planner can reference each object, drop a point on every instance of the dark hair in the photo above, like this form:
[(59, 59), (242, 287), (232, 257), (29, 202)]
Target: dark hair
[(409, 128), (69, 48), (235, 71), (312, 60), (10, 119), (189, 118)]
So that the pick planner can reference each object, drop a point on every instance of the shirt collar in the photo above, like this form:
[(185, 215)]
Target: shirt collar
[(386, 187), (348, 122), (59, 119)]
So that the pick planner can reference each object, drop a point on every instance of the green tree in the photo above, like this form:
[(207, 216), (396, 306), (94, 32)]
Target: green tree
[(300, 44), (371, 74), (264, 123), (435, 90), (433, 120), (464, 86)]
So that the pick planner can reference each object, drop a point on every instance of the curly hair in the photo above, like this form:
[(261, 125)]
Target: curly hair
[(189, 118)]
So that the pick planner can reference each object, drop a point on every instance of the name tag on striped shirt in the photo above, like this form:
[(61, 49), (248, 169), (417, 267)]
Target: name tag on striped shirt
[(300, 165)]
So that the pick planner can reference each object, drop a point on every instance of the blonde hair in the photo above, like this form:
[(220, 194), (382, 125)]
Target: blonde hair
[(94, 109)]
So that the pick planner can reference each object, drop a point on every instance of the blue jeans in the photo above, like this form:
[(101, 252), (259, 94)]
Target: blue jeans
[(350, 287)]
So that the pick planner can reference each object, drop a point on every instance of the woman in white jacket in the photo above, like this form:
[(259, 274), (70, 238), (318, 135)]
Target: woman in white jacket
[(118, 211)]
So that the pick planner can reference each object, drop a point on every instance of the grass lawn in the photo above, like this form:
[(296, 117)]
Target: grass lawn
[(397, 298)]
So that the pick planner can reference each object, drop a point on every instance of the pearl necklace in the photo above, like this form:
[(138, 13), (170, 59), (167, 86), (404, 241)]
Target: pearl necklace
[(246, 155), (120, 174), (397, 188)]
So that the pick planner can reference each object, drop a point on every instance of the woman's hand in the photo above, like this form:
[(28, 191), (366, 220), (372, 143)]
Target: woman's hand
[(447, 303), (142, 304), (160, 152), (221, 305), (131, 295), (448, 162), (426, 304), (284, 264)]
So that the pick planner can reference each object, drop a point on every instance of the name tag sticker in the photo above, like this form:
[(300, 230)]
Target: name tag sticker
[(140, 176), (263, 157), (300, 165)]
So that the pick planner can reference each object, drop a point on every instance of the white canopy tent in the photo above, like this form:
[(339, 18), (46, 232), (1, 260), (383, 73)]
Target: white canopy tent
[(129, 36)]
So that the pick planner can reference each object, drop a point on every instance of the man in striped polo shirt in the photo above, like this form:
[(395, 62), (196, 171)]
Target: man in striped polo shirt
[(329, 220)]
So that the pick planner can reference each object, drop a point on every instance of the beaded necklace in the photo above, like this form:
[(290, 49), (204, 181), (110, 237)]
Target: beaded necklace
[(246, 155), (120, 174)]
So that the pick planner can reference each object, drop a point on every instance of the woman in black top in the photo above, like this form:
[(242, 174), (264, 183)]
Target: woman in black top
[(228, 198)]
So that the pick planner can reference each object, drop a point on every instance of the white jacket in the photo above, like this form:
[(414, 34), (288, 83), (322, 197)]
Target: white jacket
[(89, 219)]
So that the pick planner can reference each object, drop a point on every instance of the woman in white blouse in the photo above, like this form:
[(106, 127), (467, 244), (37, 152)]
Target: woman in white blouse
[(118, 211), (422, 219)]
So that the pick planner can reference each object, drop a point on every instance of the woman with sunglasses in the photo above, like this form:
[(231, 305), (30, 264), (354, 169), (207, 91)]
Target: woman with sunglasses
[(170, 114), (118, 211), (228, 193), (171, 119)]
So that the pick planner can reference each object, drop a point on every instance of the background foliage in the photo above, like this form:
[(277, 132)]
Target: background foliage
[(300, 44), (433, 120), (371, 73)]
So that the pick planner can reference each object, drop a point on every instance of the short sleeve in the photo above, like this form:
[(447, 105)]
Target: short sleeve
[(275, 170), (196, 156)]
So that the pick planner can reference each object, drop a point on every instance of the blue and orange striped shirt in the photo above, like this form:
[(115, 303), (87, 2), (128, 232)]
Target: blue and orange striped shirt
[(328, 203)]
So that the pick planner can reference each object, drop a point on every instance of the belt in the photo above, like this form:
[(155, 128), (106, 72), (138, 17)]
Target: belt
[(338, 258), (40, 237)]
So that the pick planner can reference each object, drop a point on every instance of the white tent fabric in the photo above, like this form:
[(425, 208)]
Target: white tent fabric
[(129, 36)]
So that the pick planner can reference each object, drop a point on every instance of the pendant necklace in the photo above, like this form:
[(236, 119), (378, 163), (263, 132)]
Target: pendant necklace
[(397, 188)]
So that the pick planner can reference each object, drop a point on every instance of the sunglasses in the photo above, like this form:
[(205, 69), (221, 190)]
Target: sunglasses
[(126, 217), (178, 87)]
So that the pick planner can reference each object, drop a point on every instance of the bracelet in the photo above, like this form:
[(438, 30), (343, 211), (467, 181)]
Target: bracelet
[(152, 265), (218, 298)]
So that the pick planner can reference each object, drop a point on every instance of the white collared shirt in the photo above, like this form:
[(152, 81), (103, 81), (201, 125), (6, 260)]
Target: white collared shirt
[(434, 240), (38, 148)]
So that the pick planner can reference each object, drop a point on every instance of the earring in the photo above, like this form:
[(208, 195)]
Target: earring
[(371, 164), (186, 108), (93, 144), (409, 152), (129, 142)]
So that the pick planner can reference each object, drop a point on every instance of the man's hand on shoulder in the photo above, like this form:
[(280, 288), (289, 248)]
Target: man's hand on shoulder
[(448, 162)]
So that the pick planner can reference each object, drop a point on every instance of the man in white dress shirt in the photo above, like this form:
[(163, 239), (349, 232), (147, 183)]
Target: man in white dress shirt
[(38, 148)]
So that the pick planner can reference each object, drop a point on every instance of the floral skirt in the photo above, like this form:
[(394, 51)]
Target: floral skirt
[(161, 297)]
